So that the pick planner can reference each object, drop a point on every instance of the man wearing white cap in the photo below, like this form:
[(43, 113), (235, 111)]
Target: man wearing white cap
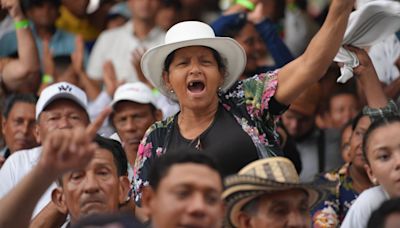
[(134, 111), (60, 106)]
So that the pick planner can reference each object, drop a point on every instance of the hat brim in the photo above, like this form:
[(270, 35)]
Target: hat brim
[(152, 62), (62, 96), (241, 189)]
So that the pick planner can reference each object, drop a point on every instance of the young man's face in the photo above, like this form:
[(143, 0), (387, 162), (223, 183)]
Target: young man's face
[(96, 189), (288, 208), (188, 196), (19, 127), (45, 14), (343, 108), (297, 124)]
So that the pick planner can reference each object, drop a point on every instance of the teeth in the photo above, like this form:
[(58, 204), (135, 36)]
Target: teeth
[(191, 84)]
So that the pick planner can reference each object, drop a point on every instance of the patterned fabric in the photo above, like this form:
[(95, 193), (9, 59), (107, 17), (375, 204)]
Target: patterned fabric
[(330, 212), (248, 101)]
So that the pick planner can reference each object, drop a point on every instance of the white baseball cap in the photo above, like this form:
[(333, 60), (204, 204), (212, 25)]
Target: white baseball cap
[(58, 91), (136, 92)]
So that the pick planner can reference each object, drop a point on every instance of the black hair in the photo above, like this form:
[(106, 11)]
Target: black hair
[(376, 125), (28, 4), (117, 151), (115, 148), (341, 90), (14, 98), (161, 165), (379, 216), (218, 58)]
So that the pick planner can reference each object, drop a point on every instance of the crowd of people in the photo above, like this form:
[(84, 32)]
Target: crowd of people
[(199, 113)]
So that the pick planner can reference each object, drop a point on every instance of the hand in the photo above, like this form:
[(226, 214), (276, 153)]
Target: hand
[(365, 67), (69, 149), (78, 55), (136, 58), (110, 78), (14, 9)]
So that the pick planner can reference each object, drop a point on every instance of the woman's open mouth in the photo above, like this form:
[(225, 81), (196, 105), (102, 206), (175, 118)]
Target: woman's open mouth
[(196, 86)]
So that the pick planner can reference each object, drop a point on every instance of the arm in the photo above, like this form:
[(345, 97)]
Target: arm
[(368, 79), (91, 87), (25, 70), (62, 151), (304, 71)]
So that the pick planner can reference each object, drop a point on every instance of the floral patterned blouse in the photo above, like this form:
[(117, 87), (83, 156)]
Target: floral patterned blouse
[(331, 211), (251, 103)]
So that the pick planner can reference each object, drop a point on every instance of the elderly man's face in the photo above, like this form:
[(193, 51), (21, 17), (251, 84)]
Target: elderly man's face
[(131, 121), (287, 208), (61, 114), (188, 196), (95, 189), (19, 127)]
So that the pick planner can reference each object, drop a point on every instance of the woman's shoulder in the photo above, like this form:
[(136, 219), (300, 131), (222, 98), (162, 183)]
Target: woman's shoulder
[(160, 126)]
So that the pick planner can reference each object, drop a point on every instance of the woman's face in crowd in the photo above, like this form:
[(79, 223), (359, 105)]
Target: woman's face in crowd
[(383, 154), (345, 143), (357, 158), (194, 76)]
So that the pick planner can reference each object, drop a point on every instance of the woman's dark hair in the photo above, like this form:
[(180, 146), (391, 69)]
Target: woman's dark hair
[(218, 58), (374, 126), (161, 166)]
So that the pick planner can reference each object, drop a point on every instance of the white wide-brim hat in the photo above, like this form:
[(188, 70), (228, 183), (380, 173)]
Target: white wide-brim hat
[(193, 33)]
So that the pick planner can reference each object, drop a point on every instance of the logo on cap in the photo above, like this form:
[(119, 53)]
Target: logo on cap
[(66, 88)]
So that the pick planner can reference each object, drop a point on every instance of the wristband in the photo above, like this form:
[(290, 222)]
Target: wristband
[(47, 78), (247, 4), (22, 24)]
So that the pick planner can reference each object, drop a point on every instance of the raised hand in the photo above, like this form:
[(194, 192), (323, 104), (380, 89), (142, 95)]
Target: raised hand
[(78, 55), (365, 66), (136, 58), (70, 149), (47, 59), (14, 9), (110, 78)]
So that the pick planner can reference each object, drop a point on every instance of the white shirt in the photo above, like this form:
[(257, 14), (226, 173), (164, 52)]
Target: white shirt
[(16, 167), (118, 45), (384, 56), (367, 202)]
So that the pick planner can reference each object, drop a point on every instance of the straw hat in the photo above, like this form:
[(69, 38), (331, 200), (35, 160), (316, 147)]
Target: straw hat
[(193, 33), (262, 177)]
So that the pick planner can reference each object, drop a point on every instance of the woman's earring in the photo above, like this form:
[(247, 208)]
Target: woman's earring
[(171, 91)]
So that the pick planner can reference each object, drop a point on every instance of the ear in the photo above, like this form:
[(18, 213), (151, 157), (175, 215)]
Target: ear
[(371, 175), (124, 187), (244, 219), (165, 77), (57, 197), (37, 134), (148, 199)]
